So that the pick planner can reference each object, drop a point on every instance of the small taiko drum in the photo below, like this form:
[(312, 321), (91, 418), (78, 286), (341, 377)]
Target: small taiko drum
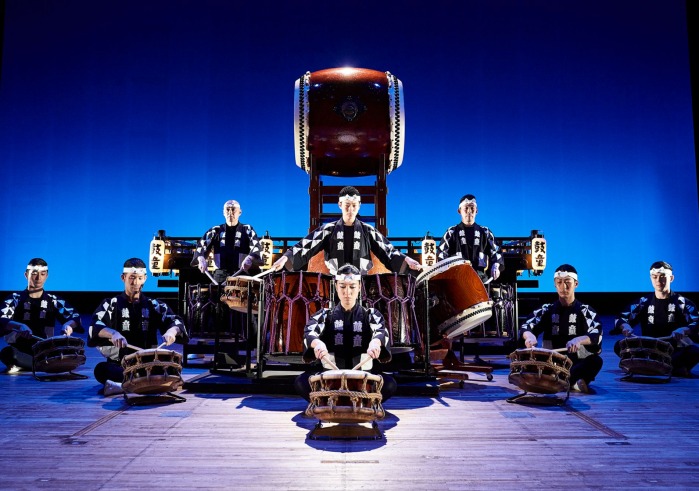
[(457, 300), (291, 299), (152, 371), (643, 355), (201, 310), (239, 290), (540, 370), (346, 396), (58, 354)]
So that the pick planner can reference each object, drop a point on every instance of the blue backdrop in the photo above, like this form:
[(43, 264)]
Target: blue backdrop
[(123, 117)]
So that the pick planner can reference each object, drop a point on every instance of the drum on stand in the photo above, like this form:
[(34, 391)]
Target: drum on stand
[(201, 310), (291, 299), (236, 296), (152, 371), (393, 295), (643, 355), (540, 370), (346, 396), (457, 299), (58, 354)]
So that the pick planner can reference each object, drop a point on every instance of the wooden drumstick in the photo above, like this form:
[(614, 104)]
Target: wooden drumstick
[(264, 273), (560, 350), (135, 348), (327, 360), (161, 345), (210, 277)]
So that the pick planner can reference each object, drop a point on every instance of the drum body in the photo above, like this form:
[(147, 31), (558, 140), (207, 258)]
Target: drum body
[(350, 121), (291, 299), (643, 355), (393, 295), (201, 310), (236, 293), (346, 396), (540, 370), (457, 300), (152, 371), (58, 354)]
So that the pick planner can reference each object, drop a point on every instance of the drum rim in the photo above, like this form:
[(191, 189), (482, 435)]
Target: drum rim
[(474, 313), (439, 267)]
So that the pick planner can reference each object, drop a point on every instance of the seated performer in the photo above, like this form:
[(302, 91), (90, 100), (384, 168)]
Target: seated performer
[(130, 318), (665, 314), (346, 241), (472, 242), (348, 331), (39, 310), (571, 324), (235, 245)]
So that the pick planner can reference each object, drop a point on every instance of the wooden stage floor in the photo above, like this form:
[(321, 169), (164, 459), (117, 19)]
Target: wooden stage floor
[(630, 435)]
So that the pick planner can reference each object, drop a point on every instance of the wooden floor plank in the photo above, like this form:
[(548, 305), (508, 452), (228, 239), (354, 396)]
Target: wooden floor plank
[(63, 435)]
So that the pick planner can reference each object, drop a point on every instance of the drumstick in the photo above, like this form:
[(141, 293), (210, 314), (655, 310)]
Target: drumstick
[(238, 272), (161, 345), (264, 273), (329, 362), (210, 277), (560, 350), (135, 348)]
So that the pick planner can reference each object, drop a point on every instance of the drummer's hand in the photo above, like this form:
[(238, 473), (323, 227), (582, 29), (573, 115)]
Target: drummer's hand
[(574, 345), (374, 349), (118, 340), (24, 331), (170, 335), (626, 330), (67, 330), (247, 263), (529, 339), (495, 272), (202, 264), (279, 263), (320, 349), (413, 264), (679, 333)]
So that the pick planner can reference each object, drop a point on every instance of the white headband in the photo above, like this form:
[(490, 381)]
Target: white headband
[(354, 199), (348, 277), (135, 270), (565, 274), (467, 201), (663, 270), (32, 267)]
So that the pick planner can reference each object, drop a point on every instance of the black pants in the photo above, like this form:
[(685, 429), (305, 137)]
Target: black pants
[(109, 370), (303, 385), (19, 354), (585, 368)]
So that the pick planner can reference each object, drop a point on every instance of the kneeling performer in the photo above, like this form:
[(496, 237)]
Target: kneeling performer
[(349, 330)]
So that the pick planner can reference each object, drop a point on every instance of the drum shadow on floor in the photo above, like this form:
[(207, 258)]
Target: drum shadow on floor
[(355, 437)]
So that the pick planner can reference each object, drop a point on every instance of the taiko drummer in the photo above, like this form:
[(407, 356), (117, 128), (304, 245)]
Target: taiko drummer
[(569, 325)]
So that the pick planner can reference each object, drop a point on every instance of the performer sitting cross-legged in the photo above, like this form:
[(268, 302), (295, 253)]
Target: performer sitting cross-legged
[(130, 318), (571, 324), (349, 330), (665, 313), (347, 241), (39, 310)]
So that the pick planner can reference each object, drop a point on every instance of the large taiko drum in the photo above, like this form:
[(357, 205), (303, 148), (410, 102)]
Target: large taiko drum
[(457, 300), (291, 299), (643, 355), (346, 396), (236, 293), (58, 354), (393, 295), (201, 310), (350, 121), (540, 370), (152, 371)]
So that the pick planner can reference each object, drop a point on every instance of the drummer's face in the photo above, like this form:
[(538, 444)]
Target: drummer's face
[(231, 213), (566, 287), (349, 210), (468, 214), (348, 292), (661, 282), (36, 279), (133, 283)]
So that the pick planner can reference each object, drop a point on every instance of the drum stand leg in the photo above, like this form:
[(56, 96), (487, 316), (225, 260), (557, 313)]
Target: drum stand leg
[(70, 375), (345, 431), (146, 400)]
